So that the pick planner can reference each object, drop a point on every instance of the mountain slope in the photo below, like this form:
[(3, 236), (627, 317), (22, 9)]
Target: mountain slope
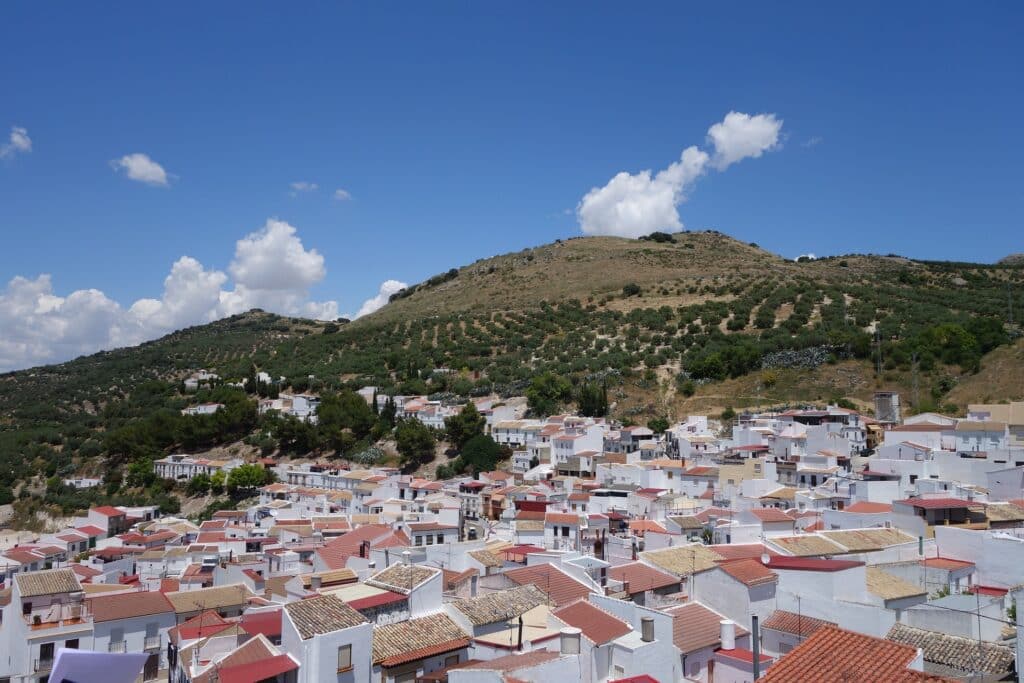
[(696, 321)]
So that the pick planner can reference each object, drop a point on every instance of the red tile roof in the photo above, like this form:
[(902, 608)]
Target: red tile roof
[(108, 511), (936, 503), (748, 571), (793, 623), (811, 564), (202, 625), (642, 577), (128, 605), (91, 530), (695, 627), (771, 515), (597, 625), (424, 652), (385, 598), (560, 588), (867, 507), (267, 668), (335, 553), (835, 654), (267, 622)]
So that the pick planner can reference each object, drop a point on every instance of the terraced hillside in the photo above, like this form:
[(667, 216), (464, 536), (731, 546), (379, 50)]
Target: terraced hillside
[(697, 321)]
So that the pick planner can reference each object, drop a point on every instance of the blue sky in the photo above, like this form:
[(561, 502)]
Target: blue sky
[(462, 130)]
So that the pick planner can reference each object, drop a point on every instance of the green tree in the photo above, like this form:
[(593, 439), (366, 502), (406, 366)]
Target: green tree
[(140, 473), (415, 442), (593, 400), (657, 424), (245, 478), (198, 485), (464, 425), (217, 481), (547, 392), (480, 454)]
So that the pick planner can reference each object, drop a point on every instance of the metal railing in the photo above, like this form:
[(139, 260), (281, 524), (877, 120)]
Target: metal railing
[(42, 664), (116, 646), (152, 643)]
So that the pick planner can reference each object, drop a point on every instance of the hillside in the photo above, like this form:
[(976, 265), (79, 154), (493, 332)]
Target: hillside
[(694, 322)]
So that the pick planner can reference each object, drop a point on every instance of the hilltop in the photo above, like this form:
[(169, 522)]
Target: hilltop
[(696, 321)]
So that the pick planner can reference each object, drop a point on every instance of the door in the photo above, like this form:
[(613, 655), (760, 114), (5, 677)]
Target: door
[(150, 671)]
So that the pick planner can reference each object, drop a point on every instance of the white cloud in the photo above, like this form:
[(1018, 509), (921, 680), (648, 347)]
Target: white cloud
[(300, 186), (342, 195), (18, 142), (140, 167), (271, 270), (387, 288), (633, 205), (812, 141), (742, 136)]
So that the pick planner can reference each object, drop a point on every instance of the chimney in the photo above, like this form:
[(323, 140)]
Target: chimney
[(315, 581), (647, 629), (371, 565), (766, 559), (473, 580), (569, 639), (728, 634), (625, 587), (406, 555), (364, 548)]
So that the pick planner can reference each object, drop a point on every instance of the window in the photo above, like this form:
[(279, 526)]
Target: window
[(344, 658), (71, 644), (440, 539), (419, 540), (26, 608), (451, 660), (46, 652), (430, 540), (565, 531)]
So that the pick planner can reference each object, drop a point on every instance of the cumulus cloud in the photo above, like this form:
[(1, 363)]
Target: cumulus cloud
[(342, 195), (742, 136), (17, 143), (636, 204), (301, 186), (140, 167), (387, 288), (271, 269)]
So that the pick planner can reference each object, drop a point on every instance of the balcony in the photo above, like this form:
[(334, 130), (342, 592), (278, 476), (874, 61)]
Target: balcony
[(117, 646), (73, 616), (152, 643), (42, 664)]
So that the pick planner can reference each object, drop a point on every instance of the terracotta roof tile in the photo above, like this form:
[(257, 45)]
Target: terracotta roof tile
[(642, 577), (128, 605), (597, 625), (323, 614), (793, 623), (749, 572), (833, 654), (414, 639), (560, 588), (695, 627)]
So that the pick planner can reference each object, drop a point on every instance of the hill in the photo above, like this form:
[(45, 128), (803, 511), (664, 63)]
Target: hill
[(694, 321)]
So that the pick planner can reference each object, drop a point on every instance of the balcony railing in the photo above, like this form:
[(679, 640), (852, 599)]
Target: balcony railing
[(58, 615), (42, 664), (116, 646), (152, 643)]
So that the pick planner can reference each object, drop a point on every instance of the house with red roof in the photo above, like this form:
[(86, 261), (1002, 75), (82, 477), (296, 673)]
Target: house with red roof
[(737, 588), (111, 520)]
